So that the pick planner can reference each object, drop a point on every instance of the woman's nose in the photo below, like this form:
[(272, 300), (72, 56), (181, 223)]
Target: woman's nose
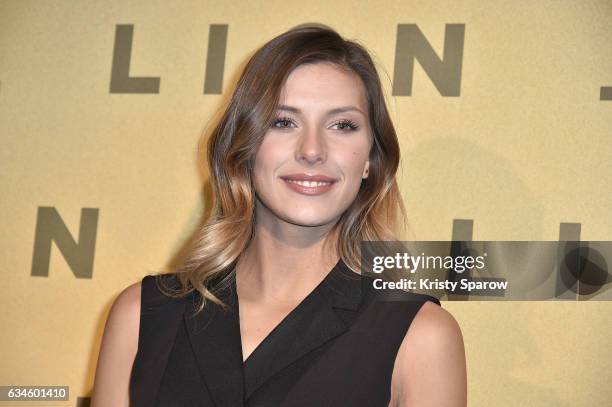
[(312, 147)]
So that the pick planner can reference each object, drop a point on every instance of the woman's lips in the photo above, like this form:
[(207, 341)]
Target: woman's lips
[(309, 187)]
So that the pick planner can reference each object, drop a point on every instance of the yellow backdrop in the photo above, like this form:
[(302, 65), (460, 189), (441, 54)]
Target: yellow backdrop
[(504, 118)]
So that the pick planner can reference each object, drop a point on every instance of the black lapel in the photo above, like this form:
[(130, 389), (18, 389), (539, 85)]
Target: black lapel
[(320, 317), (214, 335)]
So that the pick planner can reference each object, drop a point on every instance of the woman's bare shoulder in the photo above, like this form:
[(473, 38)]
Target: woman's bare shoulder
[(124, 316), (128, 300), (433, 326), (118, 349), (430, 368)]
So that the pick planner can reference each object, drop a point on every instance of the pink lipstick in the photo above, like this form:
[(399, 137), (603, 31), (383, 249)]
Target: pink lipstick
[(309, 184)]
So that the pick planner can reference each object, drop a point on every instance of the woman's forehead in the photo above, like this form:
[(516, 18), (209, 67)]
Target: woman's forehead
[(322, 86)]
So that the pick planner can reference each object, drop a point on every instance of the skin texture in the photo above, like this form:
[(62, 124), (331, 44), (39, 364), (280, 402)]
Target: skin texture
[(285, 259), (430, 368), (117, 351)]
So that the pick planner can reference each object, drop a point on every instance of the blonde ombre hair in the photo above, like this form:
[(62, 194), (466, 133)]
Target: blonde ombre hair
[(377, 212)]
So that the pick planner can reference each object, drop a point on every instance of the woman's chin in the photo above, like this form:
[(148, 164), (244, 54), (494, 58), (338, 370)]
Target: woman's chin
[(310, 220)]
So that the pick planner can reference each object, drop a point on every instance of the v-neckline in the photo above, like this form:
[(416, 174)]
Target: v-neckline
[(283, 322), (215, 338)]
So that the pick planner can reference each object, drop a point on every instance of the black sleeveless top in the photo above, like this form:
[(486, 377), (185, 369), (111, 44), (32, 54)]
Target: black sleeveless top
[(336, 348)]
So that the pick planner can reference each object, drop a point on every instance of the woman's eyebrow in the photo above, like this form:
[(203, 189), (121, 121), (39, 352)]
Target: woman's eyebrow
[(329, 112)]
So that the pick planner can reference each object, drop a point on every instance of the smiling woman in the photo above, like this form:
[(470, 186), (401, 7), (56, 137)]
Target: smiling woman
[(320, 151), (270, 309)]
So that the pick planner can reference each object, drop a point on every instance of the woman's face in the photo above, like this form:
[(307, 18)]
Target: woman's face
[(321, 132)]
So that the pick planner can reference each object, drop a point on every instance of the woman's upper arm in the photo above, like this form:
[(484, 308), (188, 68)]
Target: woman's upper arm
[(118, 350), (430, 368)]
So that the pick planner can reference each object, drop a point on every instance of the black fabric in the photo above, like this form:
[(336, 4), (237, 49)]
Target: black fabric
[(336, 348)]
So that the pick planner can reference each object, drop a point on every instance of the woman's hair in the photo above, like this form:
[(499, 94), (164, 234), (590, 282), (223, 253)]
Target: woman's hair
[(375, 214)]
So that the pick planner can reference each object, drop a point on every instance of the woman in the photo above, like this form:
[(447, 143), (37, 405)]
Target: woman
[(270, 309)]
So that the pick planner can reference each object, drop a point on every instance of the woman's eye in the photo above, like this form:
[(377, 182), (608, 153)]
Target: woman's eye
[(347, 125), (282, 123)]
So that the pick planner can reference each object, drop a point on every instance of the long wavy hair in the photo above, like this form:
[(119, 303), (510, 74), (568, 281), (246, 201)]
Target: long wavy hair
[(377, 212)]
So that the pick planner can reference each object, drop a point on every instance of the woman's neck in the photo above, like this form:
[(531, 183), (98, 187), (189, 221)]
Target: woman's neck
[(283, 262)]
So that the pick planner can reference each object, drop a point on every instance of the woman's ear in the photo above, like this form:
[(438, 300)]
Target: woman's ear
[(366, 170)]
